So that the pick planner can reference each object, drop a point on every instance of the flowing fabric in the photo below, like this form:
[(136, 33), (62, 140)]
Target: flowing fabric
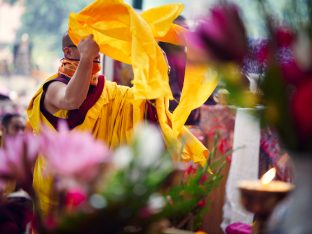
[(198, 85), (129, 37), (126, 36)]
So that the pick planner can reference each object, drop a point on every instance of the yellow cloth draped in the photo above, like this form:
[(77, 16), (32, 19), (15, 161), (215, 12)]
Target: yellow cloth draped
[(198, 85), (127, 36)]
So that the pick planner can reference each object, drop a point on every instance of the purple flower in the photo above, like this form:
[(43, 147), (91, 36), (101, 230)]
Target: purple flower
[(73, 154), (221, 35)]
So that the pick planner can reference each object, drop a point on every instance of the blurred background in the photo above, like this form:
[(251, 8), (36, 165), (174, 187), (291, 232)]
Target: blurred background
[(30, 51), (31, 31)]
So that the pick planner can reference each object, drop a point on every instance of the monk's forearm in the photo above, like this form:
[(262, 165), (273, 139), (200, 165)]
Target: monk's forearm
[(77, 88)]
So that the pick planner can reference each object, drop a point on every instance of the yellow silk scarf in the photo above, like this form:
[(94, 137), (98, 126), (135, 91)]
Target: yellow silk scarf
[(127, 36)]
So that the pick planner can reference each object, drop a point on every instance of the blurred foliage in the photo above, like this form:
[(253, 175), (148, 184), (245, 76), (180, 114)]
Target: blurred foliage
[(45, 22), (47, 17)]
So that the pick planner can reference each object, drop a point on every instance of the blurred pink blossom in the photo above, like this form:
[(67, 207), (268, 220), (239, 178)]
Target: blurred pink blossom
[(221, 35), (17, 159), (73, 154)]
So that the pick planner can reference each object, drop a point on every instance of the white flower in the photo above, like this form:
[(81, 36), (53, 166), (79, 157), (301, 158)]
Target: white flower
[(150, 144), (156, 202), (122, 157)]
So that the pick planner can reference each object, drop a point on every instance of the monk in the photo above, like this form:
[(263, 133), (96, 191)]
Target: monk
[(88, 102), (81, 97)]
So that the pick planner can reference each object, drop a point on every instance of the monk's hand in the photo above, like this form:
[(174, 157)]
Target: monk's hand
[(88, 48)]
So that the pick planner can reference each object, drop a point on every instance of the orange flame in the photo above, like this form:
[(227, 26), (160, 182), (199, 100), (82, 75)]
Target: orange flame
[(268, 176)]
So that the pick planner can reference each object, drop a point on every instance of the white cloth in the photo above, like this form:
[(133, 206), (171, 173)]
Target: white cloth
[(244, 165)]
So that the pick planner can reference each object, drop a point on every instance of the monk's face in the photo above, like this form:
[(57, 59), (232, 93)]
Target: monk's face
[(72, 52)]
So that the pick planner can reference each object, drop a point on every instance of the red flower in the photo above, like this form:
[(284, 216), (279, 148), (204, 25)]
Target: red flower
[(74, 198), (191, 169), (222, 35), (284, 37), (302, 108), (201, 203), (203, 179), (224, 146)]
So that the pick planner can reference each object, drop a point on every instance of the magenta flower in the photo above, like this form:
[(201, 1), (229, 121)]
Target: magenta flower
[(292, 73), (241, 228), (73, 154), (74, 198), (284, 37), (221, 35), (17, 159), (301, 108)]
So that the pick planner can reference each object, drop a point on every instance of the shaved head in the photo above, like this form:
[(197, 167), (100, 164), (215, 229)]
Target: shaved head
[(66, 41)]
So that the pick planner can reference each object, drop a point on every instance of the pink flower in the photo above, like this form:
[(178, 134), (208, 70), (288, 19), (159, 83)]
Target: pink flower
[(222, 35), (302, 108), (239, 228), (73, 154), (17, 159)]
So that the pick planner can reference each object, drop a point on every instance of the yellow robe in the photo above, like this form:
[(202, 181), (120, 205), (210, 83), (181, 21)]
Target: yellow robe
[(112, 119), (127, 36)]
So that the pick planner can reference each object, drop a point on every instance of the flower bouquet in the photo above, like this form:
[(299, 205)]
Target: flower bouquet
[(136, 188), (282, 70), (284, 81)]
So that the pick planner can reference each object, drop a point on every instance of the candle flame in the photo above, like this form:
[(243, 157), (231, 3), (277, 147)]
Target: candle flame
[(268, 176)]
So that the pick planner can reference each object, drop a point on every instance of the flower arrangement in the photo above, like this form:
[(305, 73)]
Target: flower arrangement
[(283, 66), (129, 190)]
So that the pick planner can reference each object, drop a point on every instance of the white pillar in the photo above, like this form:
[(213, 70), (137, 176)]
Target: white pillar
[(244, 165)]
